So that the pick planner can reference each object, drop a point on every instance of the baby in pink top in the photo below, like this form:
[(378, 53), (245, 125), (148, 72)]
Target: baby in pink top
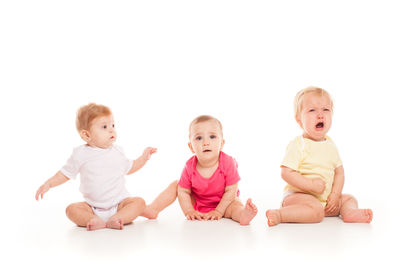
[(208, 188), (208, 192)]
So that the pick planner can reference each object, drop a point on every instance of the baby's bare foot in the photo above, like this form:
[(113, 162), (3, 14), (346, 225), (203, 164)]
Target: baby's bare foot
[(115, 224), (95, 224), (150, 213), (274, 217), (250, 210), (358, 216)]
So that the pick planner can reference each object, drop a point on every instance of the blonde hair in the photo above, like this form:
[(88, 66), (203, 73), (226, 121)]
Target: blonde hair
[(298, 100), (203, 118), (86, 114)]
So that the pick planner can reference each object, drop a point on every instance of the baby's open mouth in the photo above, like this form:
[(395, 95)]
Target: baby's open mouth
[(320, 125), (207, 150)]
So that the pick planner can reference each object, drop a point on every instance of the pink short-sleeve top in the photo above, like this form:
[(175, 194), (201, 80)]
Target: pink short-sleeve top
[(208, 192)]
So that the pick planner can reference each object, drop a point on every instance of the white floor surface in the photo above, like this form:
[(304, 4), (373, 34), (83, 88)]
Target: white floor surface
[(49, 238)]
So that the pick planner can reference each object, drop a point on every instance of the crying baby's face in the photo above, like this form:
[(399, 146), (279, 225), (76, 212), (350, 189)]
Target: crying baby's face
[(316, 116)]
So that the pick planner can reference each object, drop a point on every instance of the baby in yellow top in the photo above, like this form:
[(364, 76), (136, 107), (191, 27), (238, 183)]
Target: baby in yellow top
[(313, 160), (313, 169)]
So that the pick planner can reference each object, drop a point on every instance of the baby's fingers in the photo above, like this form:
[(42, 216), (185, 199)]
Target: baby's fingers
[(39, 192), (198, 217), (151, 150), (330, 207), (336, 208), (209, 217)]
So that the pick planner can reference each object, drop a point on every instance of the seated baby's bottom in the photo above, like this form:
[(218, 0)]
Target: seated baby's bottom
[(286, 193), (105, 214)]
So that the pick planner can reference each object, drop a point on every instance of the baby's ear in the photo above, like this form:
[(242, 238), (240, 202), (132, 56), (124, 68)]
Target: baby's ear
[(85, 135), (222, 143), (191, 147), (299, 122)]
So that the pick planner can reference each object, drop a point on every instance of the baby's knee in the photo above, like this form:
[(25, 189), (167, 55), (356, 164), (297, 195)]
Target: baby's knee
[(69, 210), (237, 203), (347, 197), (318, 212), (138, 201), (72, 208)]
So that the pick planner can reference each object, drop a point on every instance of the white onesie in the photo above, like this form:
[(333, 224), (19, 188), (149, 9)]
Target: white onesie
[(102, 173)]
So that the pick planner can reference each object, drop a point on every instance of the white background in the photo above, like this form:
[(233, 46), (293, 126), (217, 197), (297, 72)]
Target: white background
[(159, 64)]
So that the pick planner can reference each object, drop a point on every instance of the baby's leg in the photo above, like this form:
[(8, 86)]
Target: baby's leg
[(350, 212), (298, 208), (238, 213), (163, 200), (82, 214), (128, 210)]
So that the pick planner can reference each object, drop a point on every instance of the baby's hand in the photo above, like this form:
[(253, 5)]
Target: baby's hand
[(213, 215), (148, 152), (43, 189), (318, 185), (194, 215), (333, 203)]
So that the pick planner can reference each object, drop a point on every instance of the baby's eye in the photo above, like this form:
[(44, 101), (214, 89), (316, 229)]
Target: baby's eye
[(198, 138), (311, 110), (213, 136), (327, 109), (113, 125), (104, 127)]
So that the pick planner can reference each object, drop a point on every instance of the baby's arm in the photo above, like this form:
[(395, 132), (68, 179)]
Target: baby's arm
[(295, 179), (227, 198), (185, 200), (141, 161), (338, 181), (333, 201), (54, 181)]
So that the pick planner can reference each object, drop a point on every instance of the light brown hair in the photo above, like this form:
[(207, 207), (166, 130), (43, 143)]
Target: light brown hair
[(86, 114), (203, 118)]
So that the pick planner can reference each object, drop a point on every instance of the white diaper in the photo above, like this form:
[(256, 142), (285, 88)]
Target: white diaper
[(105, 214), (286, 194)]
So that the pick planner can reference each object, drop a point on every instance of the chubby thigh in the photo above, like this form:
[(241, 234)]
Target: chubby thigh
[(293, 198), (302, 199)]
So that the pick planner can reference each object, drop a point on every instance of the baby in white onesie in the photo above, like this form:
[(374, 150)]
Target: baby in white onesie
[(102, 167)]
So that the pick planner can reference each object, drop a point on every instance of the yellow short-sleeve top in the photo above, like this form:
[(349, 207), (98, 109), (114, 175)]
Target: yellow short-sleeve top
[(313, 159)]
